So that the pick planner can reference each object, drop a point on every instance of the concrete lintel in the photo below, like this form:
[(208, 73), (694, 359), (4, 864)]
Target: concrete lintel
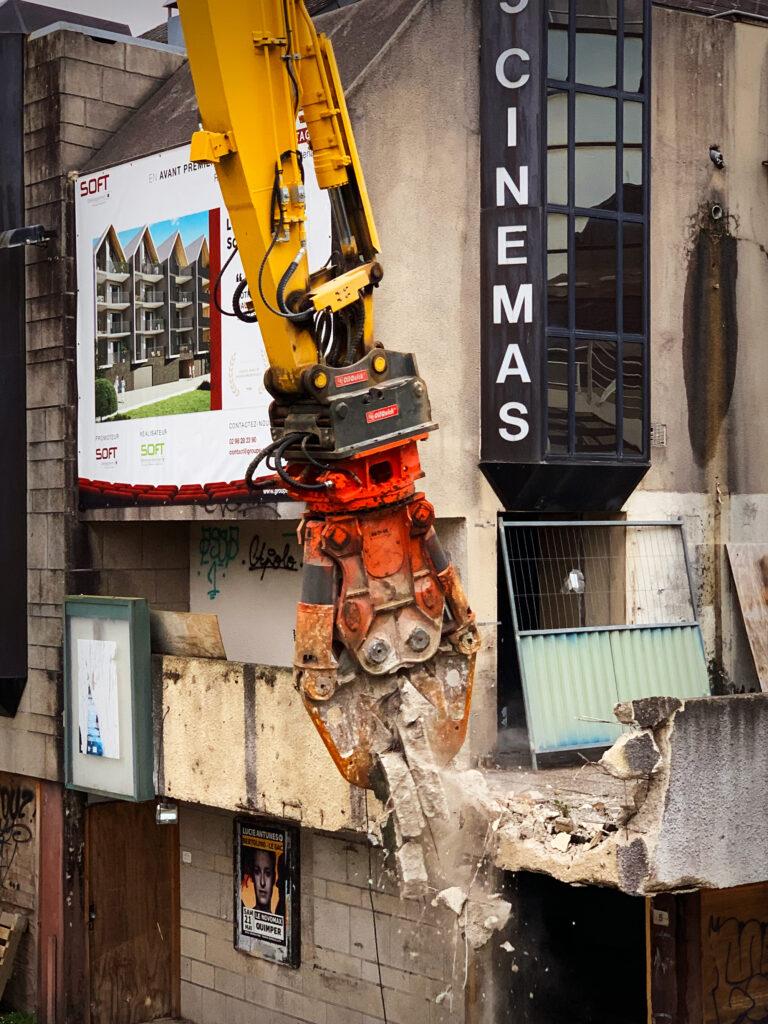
[(236, 736), (699, 821)]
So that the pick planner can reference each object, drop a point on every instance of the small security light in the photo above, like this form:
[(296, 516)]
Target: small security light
[(35, 234), (574, 582), (167, 814)]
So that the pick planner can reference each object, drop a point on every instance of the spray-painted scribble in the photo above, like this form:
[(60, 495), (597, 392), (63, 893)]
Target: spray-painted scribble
[(740, 953), (219, 546), (262, 557), (16, 805)]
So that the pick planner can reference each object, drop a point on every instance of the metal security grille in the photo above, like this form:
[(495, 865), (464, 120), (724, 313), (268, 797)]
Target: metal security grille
[(597, 575), (602, 612)]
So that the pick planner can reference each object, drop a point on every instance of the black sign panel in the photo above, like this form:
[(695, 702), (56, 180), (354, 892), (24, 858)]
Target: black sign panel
[(513, 73), (13, 467)]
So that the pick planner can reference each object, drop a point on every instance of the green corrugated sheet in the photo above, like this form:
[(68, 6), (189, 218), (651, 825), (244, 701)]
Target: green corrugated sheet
[(570, 677)]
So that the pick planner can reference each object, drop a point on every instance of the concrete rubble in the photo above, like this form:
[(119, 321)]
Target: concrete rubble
[(608, 822)]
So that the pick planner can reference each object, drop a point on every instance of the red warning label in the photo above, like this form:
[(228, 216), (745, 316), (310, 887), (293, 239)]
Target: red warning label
[(345, 379), (381, 414)]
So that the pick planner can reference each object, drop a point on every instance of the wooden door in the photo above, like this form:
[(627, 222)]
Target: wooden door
[(132, 907)]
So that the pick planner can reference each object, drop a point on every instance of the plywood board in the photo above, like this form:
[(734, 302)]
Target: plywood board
[(749, 565), (131, 905), (186, 635), (13, 926), (734, 934)]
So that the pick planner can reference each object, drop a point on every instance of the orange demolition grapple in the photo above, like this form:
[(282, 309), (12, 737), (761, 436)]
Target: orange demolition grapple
[(381, 607)]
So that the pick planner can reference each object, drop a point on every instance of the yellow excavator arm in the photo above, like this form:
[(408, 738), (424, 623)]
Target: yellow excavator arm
[(259, 66), (382, 615)]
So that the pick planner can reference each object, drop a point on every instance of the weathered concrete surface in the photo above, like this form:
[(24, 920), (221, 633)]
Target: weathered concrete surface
[(633, 756), (699, 821), (715, 823), (237, 737)]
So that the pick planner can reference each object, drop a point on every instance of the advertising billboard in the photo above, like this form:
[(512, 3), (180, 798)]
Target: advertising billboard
[(171, 392)]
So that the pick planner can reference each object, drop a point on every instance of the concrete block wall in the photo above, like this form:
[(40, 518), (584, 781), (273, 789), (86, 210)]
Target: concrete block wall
[(78, 92), (419, 947), (149, 560)]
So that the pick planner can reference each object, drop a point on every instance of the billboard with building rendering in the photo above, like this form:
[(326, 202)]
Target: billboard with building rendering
[(171, 394)]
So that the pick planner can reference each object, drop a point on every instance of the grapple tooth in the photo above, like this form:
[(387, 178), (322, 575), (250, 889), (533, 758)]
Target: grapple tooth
[(363, 717)]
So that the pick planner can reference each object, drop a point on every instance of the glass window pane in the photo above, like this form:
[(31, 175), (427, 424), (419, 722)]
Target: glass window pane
[(632, 172), (595, 157), (595, 397), (633, 123), (557, 45), (594, 274), (557, 153), (634, 275), (595, 119), (633, 45), (594, 172), (557, 397), (557, 270), (633, 398), (596, 42)]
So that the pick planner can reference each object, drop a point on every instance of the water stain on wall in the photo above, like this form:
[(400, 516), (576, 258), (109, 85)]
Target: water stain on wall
[(710, 333)]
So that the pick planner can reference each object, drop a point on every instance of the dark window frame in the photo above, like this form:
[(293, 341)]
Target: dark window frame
[(571, 335)]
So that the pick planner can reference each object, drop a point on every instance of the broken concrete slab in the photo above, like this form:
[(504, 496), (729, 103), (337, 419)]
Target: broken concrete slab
[(411, 871), (393, 784), (647, 712), (483, 915), (634, 755), (454, 897)]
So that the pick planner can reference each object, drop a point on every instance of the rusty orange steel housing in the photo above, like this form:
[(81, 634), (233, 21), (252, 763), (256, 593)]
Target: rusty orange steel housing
[(381, 604)]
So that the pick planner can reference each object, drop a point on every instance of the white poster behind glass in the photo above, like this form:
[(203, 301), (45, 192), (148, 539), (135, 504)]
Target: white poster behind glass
[(101, 705), (97, 698)]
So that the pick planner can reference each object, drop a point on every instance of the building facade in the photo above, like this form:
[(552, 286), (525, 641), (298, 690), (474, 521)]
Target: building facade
[(584, 211)]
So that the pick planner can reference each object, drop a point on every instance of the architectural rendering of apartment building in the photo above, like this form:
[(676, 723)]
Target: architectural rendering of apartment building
[(152, 317)]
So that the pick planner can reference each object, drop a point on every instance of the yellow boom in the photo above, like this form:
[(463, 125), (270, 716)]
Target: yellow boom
[(239, 52)]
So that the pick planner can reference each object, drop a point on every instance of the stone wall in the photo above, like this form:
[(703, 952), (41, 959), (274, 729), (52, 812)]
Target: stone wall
[(337, 982), (78, 92)]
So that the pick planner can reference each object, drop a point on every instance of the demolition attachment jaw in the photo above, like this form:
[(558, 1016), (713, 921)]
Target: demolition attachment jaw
[(382, 609)]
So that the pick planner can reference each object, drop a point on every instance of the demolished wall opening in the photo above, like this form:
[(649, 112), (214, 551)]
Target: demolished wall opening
[(570, 953)]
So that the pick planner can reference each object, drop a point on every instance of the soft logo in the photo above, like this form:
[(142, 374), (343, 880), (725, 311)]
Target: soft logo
[(152, 450), (94, 186), (106, 454)]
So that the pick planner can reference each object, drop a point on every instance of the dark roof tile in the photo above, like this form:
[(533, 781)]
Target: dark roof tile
[(21, 16)]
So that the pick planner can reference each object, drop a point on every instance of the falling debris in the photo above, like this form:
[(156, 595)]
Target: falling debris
[(454, 898)]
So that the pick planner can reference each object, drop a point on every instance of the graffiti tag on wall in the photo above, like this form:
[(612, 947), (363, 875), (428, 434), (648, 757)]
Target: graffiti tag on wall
[(739, 951), (16, 809), (219, 546)]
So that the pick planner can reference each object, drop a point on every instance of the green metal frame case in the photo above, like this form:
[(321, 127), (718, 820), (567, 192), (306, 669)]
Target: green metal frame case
[(126, 772)]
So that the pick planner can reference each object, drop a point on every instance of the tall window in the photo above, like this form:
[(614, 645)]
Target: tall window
[(597, 229)]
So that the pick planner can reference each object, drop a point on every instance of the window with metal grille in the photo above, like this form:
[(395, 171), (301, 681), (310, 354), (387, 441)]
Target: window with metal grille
[(597, 229), (601, 612)]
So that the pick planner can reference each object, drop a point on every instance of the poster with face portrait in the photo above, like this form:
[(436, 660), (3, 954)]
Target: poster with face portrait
[(266, 889)]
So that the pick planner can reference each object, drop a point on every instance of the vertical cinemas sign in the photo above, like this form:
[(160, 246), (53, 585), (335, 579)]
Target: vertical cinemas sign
[(512, 230)]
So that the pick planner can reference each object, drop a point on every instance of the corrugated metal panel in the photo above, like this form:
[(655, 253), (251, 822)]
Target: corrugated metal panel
[(664, 662), (568, 677)]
